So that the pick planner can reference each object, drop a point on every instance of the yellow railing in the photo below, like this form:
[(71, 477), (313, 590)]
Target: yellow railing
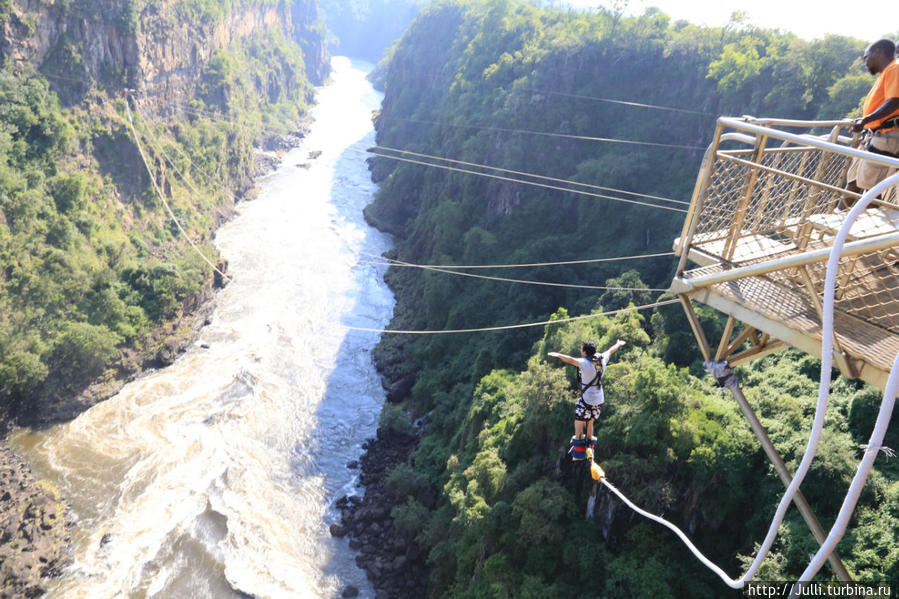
[(765, 206)]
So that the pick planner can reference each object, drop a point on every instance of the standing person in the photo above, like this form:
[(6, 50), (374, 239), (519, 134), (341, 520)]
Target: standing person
[(881, 116), (590, 371)]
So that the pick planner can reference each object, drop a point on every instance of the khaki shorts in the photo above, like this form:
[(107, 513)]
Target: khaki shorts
[(867, 174)]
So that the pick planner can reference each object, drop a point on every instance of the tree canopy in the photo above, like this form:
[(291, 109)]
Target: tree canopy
[(519, 86)]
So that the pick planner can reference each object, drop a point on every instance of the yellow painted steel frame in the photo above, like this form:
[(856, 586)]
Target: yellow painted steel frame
[(760, 228), (761, 259)]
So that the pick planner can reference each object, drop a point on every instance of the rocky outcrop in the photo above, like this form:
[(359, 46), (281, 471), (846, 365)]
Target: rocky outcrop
[(173, 52), (309, 32), (396, 564), (33, 530), (157, 51)]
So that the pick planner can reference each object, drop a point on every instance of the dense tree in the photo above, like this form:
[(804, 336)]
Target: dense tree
[(91, 264), (495, 83)]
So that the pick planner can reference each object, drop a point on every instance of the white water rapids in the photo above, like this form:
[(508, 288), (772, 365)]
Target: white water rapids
[(216, 476)]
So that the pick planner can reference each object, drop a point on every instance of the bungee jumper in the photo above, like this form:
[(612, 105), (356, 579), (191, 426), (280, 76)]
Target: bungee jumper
[(591, 367)]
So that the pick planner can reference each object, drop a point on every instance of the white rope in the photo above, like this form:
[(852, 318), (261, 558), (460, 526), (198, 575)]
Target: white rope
[(889, 397), (858, 482), (162, 196), (512, 326), (683, 537)]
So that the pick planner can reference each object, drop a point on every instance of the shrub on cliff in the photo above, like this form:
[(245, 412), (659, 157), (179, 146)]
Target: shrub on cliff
[(394, 420), (82, 350), (21, 372)]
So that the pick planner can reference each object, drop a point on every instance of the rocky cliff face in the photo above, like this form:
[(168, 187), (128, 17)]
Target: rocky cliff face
[(152, 49)]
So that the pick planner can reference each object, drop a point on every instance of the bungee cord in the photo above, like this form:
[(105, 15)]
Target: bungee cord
[(826, 365), (887, 403), (683, 537), (874, 445)]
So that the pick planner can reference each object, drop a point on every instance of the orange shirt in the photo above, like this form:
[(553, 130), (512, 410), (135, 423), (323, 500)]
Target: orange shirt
[(886, 87)]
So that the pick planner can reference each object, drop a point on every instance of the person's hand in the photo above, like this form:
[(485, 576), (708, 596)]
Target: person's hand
[(619, 343), (858, 125)]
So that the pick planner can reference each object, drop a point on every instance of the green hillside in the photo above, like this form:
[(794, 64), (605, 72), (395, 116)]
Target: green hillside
[(96, 279), (496, 83)]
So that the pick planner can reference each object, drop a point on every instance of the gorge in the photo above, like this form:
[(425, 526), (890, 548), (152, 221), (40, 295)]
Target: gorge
[(100, 286)]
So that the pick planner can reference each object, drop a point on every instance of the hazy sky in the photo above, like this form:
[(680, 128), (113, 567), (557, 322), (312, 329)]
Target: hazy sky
[(806, 18)]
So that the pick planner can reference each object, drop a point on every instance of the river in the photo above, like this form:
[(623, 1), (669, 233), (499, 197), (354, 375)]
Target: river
[(216, 476)]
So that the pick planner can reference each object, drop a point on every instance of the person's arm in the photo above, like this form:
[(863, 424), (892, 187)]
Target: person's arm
[(885, 110), (608, 353), (564, 358)]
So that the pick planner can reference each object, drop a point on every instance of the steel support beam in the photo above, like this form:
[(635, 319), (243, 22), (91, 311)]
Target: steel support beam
[(726, 377)]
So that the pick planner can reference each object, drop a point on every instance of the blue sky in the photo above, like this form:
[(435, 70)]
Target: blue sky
[(806, 18)]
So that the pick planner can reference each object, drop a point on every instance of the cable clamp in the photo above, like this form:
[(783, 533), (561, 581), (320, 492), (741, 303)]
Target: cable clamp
[(722, 373)]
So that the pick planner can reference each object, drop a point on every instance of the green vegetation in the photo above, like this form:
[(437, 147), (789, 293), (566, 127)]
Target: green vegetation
[(78, 283), (215, 11), (453, 90), (509, 522), (92, 266), (265, 71), (468, 81)]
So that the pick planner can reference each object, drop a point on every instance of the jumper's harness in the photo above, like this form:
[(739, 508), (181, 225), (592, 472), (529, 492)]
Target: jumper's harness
[(597, 380)]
